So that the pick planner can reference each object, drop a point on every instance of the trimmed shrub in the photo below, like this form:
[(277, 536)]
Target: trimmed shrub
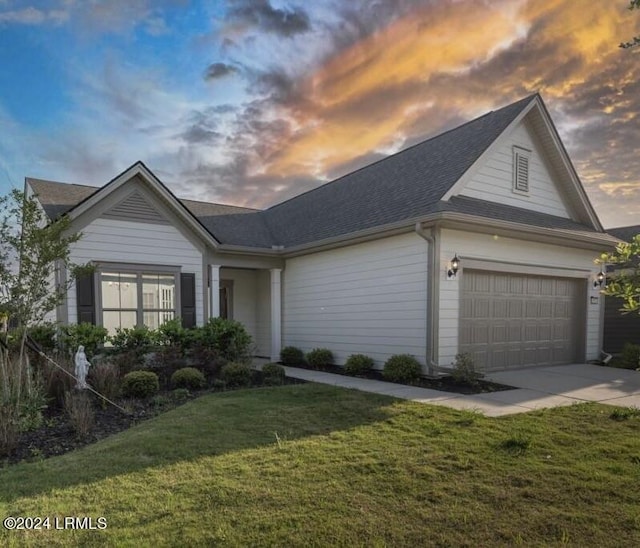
[(320, 357), (357, 364), (88, 335), (228, 338), (273, 374), (401, 368), (630, 357), (464, 370), (291, 356), (140, 384), (180, 394), (188, 377), (236, 374)]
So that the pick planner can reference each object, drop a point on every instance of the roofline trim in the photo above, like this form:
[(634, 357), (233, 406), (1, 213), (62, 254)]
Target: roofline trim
[(463, 221)]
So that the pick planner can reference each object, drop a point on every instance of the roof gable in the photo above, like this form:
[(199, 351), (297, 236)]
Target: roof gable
[(561, 191)]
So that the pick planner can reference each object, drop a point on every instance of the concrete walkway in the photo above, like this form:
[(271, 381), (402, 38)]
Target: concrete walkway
[(536, 388)]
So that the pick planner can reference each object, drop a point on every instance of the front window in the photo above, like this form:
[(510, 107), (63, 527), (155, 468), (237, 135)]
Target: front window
[(137, 298)]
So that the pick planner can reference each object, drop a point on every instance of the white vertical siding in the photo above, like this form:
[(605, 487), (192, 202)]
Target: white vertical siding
[(368, 298), (493, 248), (138, 244), (494, 180)]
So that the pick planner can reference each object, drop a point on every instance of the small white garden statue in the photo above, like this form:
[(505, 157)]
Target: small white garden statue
[(82, 368)]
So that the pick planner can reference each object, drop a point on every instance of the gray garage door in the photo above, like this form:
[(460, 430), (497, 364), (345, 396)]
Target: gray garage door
[(513, 320)]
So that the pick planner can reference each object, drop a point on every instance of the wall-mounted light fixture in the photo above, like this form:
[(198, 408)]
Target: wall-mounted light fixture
[(599, 280), (454, 265)]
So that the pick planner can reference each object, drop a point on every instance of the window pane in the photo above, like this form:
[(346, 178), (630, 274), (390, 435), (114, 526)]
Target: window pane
[(151, 320), (128, 291), (166, 316), (167, 291), (113, 319), (150, 291), (110, 290)]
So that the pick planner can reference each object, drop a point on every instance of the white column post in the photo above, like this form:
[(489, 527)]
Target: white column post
[(276, 314), (214, 290)]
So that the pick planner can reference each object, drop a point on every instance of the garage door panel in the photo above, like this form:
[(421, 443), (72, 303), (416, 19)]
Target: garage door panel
[(513, 320)]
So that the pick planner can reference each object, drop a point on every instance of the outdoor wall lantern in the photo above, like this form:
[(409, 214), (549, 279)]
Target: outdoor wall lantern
[(454, 265), (599, 280)]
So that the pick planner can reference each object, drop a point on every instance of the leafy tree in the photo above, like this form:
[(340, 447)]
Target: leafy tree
[(625, 283), (32, 250), (635, 41)]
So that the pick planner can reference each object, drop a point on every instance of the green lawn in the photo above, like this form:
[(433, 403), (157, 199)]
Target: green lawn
[(312, 465)]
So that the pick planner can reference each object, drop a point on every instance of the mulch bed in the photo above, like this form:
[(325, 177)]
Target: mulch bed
[(56, 435), (445, 384)]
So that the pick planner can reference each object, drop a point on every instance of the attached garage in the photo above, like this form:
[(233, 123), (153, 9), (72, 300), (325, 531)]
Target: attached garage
[(515, 320)]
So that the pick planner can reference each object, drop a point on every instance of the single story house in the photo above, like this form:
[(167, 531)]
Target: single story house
[(620, 328), (480, 240)]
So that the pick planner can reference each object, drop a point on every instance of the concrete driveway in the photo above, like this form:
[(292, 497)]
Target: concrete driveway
[(568, 384)]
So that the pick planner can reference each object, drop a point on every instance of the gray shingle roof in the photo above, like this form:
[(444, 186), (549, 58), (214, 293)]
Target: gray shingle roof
[(625, 233), (58, 198), (403, 186)]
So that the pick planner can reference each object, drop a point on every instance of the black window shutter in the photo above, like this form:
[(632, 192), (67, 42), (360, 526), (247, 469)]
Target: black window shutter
[(86, 299), (188, 299)]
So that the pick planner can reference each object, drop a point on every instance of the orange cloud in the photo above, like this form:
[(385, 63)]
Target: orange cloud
[(448, 38)]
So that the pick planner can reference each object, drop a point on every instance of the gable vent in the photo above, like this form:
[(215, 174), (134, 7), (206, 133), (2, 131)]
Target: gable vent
[(135, 208), (521, 170)]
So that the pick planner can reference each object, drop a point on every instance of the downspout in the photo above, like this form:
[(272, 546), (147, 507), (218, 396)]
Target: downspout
[(427, 235)]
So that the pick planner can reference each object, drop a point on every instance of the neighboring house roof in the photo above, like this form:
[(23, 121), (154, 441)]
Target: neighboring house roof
[(407, 185), (625, 233)]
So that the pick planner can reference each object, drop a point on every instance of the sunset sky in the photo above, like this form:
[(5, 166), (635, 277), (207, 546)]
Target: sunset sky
[(250, 102)]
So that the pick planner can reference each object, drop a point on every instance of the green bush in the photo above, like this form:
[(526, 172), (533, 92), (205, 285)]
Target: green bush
[(320, 357), (140, 384), (188, 377), (291, 356), (86, 334), (139, 338), (401, 368), (228, 338), (464, 370), (236, 374), (180, 394), (273, 374), (357, 364), (630, 357), (44, 335), (171, 333)]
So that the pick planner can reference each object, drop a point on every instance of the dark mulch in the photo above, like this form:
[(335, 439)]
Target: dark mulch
[(56, 435), (446, 384)]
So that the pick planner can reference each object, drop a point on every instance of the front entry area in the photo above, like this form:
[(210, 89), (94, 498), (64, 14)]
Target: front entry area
[(513, 320)]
